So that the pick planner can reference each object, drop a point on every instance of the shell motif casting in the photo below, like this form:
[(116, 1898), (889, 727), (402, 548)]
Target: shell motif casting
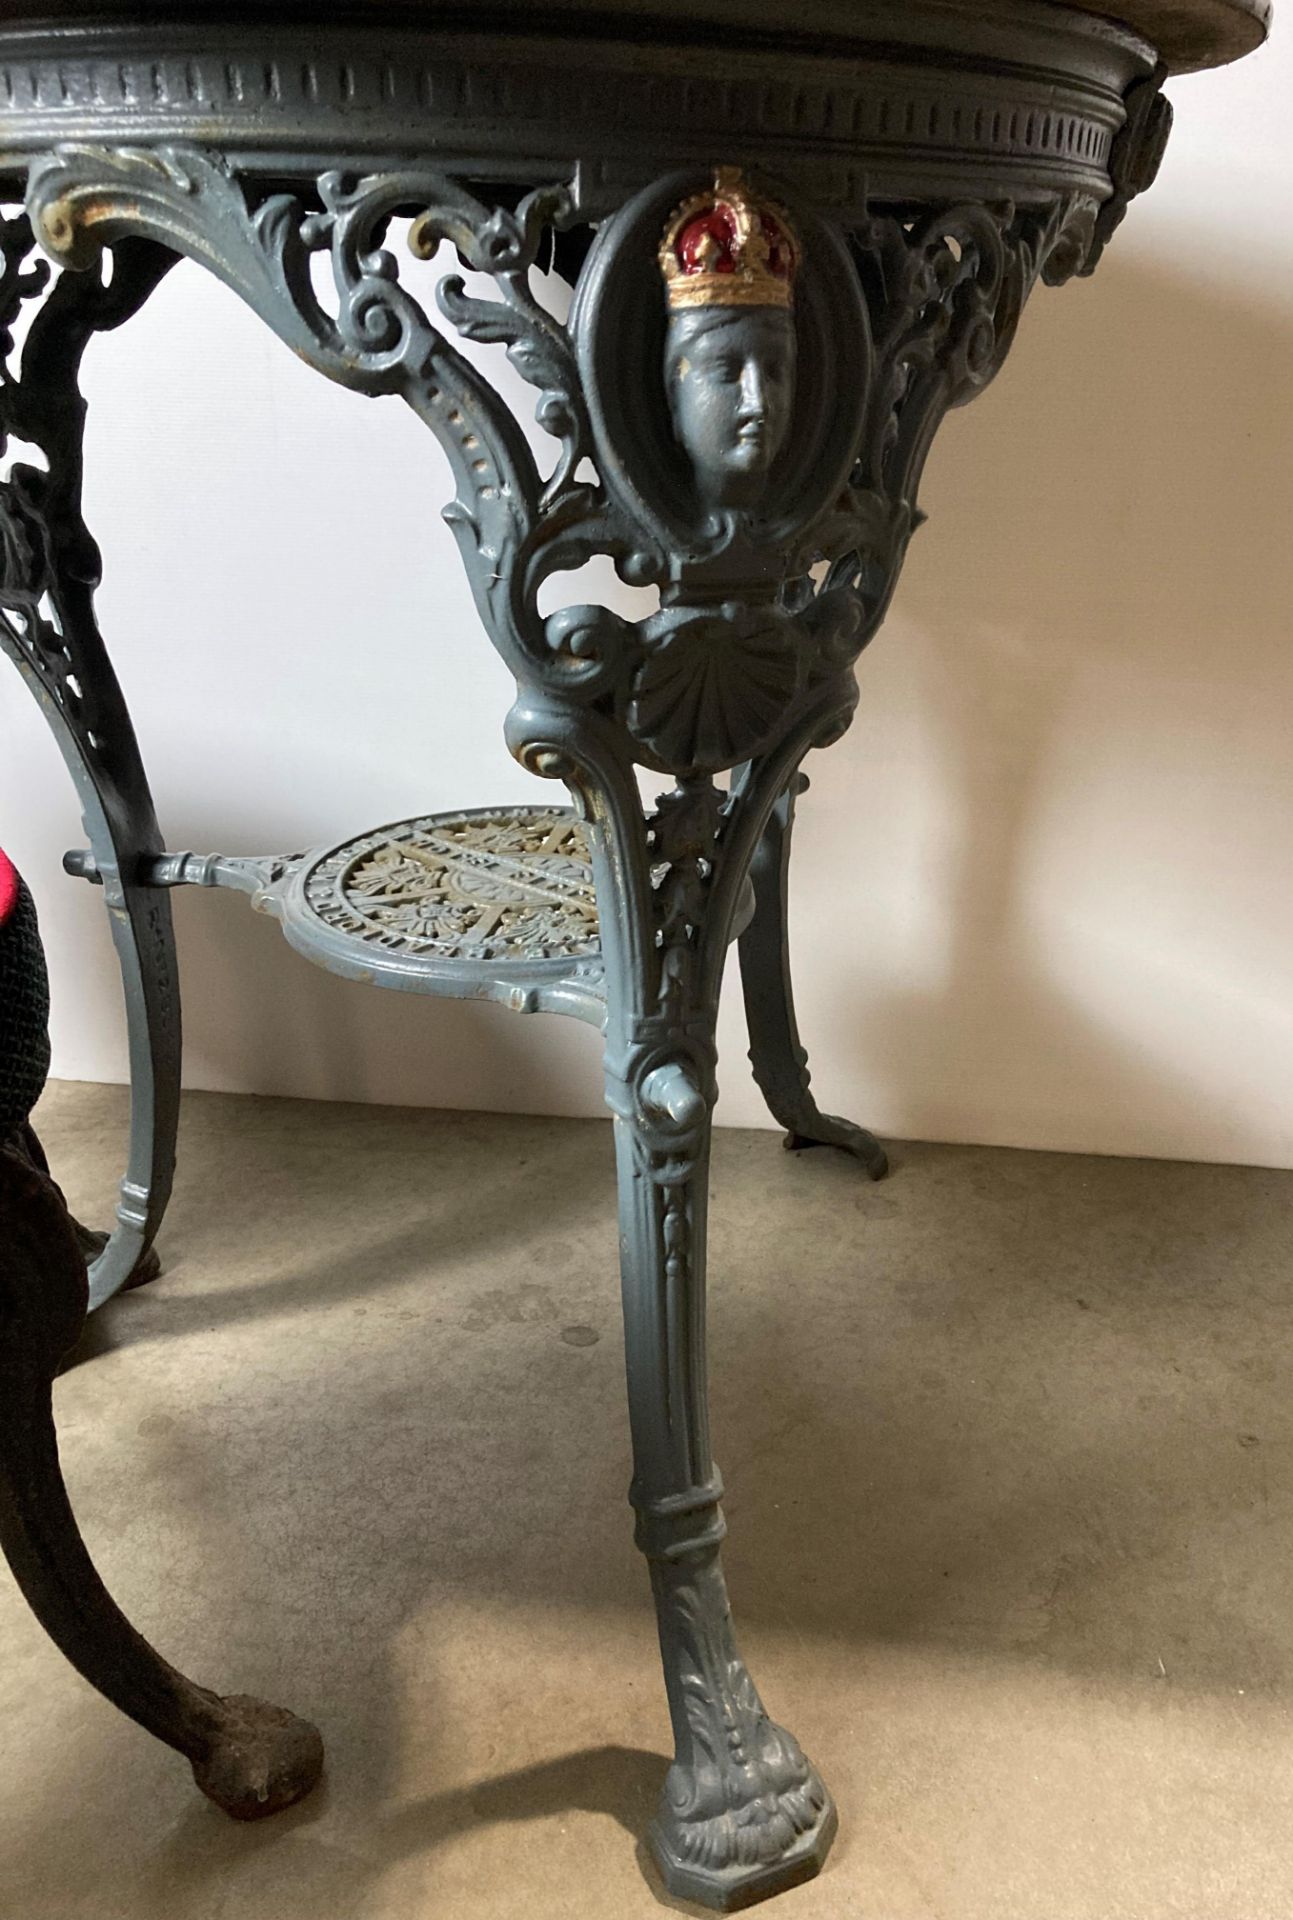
[(714, 685)]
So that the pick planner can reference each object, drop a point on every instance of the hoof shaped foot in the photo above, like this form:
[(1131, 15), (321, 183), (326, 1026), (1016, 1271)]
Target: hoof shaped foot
[(824, 1130), (729, 1840), (262, 1760)]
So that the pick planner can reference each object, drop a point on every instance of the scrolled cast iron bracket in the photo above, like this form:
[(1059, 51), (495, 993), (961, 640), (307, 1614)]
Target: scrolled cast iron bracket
[(919, 322)]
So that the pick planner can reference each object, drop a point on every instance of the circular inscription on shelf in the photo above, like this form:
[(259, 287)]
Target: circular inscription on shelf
[(494, 885)]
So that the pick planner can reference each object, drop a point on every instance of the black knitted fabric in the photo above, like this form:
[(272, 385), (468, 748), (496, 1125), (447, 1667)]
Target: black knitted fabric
[(24, 1015)]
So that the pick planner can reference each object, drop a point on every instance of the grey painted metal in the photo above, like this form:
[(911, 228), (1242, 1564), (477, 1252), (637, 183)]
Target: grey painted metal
[(1014, 100), (789, 260), (360, 908), (1189, 33), (494, 903), (779, 1059)]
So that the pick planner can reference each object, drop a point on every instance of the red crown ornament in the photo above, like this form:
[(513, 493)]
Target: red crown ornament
[(728, 248)]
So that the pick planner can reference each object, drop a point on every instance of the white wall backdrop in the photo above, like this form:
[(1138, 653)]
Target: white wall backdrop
[(1043, 887)]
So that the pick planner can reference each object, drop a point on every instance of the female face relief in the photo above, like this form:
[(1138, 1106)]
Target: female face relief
[(730, 375)]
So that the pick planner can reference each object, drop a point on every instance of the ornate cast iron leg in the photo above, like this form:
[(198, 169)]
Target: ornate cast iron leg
[(49, 569), (743, 1813), (780, 1061), (249, 1757)]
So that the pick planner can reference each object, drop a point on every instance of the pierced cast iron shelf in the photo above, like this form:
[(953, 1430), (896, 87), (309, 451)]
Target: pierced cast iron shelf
[(495, 903)]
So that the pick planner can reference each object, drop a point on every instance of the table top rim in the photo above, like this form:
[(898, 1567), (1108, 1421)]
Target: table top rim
[(1188, 34)]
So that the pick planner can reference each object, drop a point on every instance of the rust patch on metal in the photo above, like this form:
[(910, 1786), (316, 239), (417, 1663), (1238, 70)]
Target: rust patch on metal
[(68, 217)]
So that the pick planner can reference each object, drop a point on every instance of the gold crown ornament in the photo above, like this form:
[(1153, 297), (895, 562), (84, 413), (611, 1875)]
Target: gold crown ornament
[(725, 247)]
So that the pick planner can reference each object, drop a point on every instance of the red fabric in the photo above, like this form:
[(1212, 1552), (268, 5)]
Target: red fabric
[(8, 887)]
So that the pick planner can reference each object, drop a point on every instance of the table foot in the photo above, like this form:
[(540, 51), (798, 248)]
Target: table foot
[(743, 1815), (263, 1760), (814, 1129), (727, 1884)]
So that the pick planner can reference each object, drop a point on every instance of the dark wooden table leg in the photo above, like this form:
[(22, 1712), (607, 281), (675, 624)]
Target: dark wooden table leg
[(251, 1758)]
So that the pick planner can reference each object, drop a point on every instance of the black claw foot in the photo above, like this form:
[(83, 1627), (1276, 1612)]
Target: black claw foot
[(262, 1760), (825, 1130), (728, 1838)]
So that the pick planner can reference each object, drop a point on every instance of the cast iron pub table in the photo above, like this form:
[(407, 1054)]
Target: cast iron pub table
[(795, 236)]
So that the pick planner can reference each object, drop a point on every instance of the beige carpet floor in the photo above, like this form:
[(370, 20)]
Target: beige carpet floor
[(1009, 1448)]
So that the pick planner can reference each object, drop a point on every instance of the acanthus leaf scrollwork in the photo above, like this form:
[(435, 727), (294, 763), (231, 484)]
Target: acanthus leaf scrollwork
[(710, 679), (741, 1792), (377, 337), (537, 344), (944, 294)]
